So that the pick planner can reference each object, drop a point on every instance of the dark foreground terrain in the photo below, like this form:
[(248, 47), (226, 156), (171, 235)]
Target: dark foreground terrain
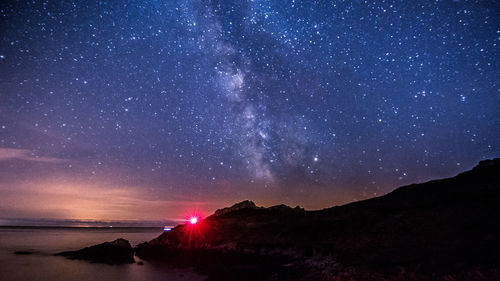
[(445, 229)]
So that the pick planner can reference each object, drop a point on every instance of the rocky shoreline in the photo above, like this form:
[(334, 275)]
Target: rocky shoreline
[(118, 251), (440, 230)]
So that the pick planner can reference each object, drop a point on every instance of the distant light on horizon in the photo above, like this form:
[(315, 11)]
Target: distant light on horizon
[(193, 220)]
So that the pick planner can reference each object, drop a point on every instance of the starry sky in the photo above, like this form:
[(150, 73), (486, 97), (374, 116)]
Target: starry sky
[(147, 110)]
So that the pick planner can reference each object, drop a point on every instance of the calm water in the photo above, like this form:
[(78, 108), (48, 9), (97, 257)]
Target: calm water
[(46, 241)]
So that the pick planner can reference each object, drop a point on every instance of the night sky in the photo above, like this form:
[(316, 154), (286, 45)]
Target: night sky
[(148, 110)]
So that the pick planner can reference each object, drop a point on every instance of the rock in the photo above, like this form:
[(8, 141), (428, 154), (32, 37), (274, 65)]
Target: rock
[(282, 207), (487, 163), (247, 204), (116, 252), (24, 252)]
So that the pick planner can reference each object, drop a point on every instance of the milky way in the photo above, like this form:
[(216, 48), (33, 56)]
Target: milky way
[(301, 102)]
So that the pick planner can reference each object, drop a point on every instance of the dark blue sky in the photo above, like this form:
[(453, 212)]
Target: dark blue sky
[(111, 109)]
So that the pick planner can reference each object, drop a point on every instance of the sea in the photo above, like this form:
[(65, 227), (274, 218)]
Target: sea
[(43, 242)]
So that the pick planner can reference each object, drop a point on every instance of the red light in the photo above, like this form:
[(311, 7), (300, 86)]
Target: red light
[(193, 220)]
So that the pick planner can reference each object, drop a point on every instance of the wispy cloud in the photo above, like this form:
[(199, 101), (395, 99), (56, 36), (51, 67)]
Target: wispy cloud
[(26, 155), (85, 201)]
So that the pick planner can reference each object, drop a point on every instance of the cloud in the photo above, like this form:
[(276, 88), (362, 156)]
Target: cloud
[(62, 198), (25, 155)]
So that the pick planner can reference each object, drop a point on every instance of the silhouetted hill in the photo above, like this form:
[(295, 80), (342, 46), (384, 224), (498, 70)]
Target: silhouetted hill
[(420, 232)]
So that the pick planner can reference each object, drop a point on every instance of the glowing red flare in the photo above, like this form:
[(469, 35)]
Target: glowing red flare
[(193, 220)]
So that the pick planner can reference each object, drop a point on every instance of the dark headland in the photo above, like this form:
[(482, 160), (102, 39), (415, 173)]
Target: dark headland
[(446, 229), (115, 252)]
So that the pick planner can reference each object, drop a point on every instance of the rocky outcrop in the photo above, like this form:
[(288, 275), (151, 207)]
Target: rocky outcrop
[(116, 252), (284, 207), (441, 228), (24, 253), (247, 204), (487, 163)]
